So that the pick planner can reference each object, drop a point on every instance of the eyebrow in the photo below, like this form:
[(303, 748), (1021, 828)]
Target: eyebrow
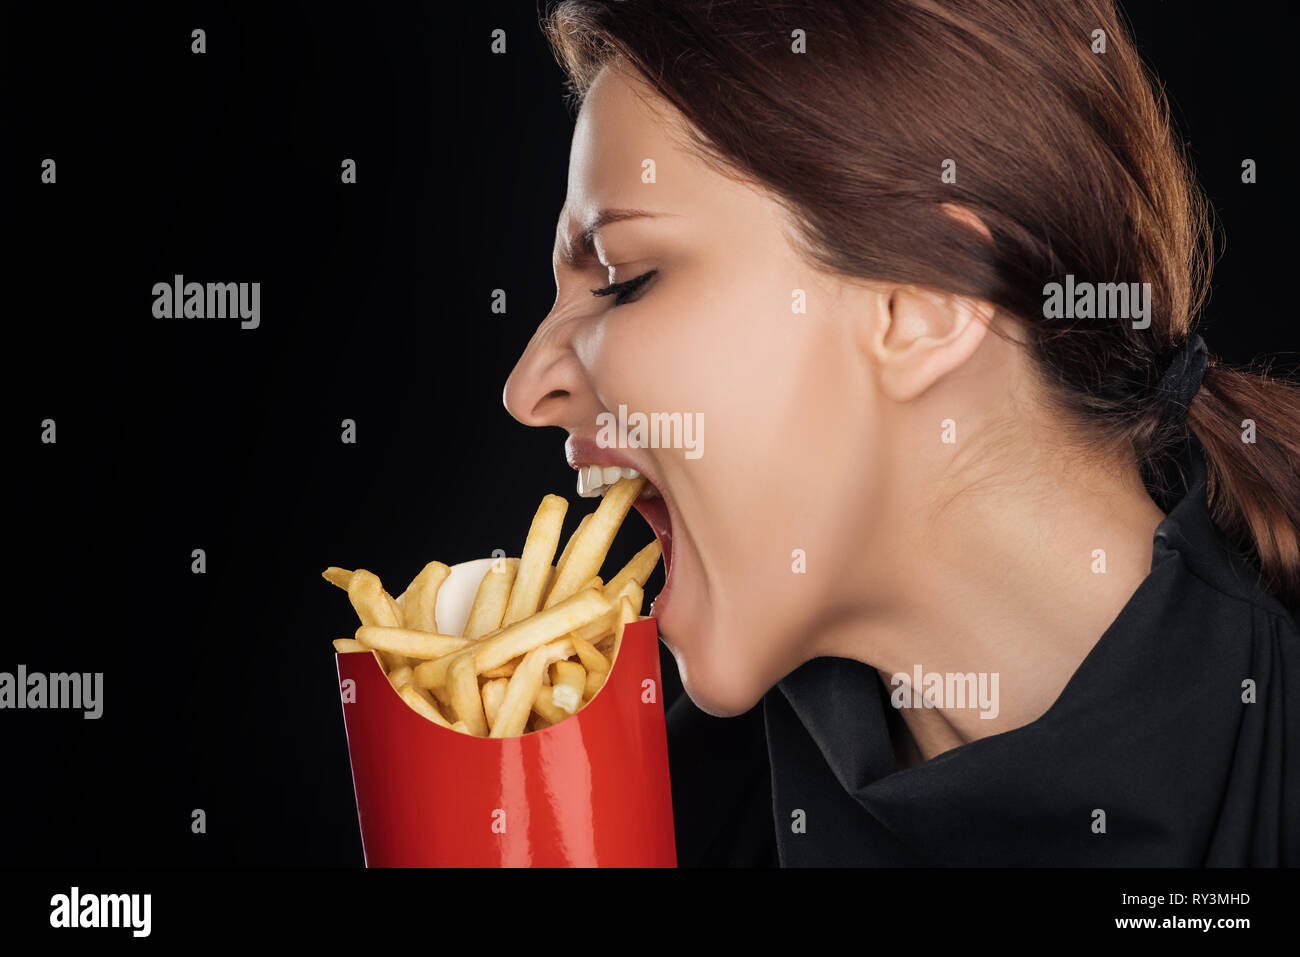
[(575, 251)]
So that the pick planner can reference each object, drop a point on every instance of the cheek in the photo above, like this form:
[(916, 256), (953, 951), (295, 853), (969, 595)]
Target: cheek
[(773, 507), (788, 466), (663, 353)]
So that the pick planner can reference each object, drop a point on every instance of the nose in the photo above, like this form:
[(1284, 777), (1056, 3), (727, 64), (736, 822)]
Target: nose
[(548, 385)]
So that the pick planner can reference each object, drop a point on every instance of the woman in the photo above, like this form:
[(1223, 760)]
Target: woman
[(1004, 554)]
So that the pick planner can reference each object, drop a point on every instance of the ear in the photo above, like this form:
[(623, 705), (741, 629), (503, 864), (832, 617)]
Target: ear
[(923, 336)]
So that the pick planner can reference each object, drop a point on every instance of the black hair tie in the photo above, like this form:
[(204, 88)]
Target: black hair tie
[(1182, 380)]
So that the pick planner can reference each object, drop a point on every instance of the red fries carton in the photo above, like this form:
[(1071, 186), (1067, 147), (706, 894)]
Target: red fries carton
[(591, 790)]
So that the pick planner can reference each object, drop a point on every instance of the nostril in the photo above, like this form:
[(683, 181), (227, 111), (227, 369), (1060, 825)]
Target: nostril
[(545, 410), (549, 406)]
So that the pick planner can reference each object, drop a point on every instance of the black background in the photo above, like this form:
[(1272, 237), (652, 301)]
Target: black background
[(220, 689)]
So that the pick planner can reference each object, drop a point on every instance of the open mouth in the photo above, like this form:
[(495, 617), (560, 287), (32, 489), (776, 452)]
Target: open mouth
[(654, 510), (595, 480)]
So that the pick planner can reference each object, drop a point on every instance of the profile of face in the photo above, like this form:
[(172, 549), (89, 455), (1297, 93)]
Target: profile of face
[(783, 524)]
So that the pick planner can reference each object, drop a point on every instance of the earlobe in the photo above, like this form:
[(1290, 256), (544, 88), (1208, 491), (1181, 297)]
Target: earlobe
[(924, 336)]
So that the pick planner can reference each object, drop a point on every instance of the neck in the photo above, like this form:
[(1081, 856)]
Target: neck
[(1009, 585)]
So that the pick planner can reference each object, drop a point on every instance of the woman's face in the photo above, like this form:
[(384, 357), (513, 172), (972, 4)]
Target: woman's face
[(768, 512)]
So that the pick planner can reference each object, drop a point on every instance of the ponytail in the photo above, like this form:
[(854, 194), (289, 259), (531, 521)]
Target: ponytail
[(1249, 425)]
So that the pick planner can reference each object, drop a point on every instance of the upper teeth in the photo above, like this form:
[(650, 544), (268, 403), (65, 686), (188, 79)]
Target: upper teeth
[(595, 480)]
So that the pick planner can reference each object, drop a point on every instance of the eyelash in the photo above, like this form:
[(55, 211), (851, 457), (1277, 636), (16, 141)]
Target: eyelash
[(621, 290)]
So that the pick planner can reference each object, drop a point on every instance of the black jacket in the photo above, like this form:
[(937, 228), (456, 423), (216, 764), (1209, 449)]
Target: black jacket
[(1152, 730)]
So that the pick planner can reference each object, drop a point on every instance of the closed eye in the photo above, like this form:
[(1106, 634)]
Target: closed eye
[(623, 291)]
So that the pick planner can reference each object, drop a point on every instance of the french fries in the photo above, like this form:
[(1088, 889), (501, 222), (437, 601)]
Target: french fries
[(568, 549), (419, 600), (466, 698), (409, 642), (592, 659), (539, 641), (490, 601), (494, 692), (591, 543), (568, 681), (422, 704), (535, 562), (374, 606)]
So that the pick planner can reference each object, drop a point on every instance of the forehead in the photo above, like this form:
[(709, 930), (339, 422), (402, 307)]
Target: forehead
[(624, 130)]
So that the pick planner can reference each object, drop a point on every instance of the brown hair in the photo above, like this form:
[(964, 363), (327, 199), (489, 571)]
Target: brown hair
[(1067, 156)]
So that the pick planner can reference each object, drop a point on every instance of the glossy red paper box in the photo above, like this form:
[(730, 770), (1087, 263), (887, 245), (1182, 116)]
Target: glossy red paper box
[(590, 791)]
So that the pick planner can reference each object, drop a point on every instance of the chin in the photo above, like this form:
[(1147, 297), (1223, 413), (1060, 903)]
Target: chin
[(716, 688)]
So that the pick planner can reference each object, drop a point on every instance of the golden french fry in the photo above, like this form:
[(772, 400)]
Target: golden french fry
[(490, 600), (494, 692), (593, 541), (366, 592), (599, 629), (568, 549), (572, 614), (502, 671), (337, 576), (639, 568), (538, 723), (593, 582), (567, 685), (461, 727), (555, 622), (372, 605), (438, 694), (524, 684), (535, 560), (592, 659), (626, 615), (629, 589), (422, 705), (595, 681), (421, 597), (396, 610), (400, 676), (466, 700), (547, 708), (346, 646), (412, 644), (433, 674)]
